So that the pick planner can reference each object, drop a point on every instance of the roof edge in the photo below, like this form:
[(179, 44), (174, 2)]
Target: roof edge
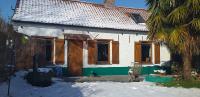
[(109, 7), (76, 26)]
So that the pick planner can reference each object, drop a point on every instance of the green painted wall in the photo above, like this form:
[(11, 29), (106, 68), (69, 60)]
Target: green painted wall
[(65, 71), (149, 69), (104, 71)]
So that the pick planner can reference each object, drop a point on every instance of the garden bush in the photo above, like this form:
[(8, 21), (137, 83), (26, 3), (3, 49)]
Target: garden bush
[(3, 74), (40, 79)]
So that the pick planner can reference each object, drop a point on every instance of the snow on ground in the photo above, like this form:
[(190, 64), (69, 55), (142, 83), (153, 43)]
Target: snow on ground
[(20, 88)]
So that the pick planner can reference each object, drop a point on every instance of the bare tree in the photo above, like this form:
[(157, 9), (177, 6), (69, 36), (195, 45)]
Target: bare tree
[(6, 33)]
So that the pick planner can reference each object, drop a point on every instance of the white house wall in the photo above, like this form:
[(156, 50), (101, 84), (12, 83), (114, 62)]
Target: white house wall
[(39, 31), (126, 48), (164, 54)]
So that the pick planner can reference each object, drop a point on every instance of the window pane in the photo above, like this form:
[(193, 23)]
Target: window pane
[(137, 18), (48, 50), (102, 52), (146, 53)]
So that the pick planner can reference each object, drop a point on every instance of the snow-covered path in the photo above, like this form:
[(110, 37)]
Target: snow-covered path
[(94, 89)]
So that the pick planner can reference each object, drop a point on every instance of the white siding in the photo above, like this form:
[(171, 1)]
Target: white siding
[(126, 48), (164, 54)]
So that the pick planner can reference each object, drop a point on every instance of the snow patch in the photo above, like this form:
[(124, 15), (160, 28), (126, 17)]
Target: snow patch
[(20, 88)]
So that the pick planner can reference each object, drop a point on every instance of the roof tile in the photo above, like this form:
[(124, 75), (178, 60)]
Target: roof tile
[(77, 13)]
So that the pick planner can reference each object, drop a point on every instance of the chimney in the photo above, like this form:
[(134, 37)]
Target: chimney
[(109, 3)]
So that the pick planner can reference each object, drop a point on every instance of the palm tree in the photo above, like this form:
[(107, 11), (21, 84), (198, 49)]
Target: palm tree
[(177, 23)]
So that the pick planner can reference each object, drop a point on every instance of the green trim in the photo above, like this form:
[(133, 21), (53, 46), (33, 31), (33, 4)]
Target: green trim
[(103, 71), (65, 71), (106, 71), (149, 69)]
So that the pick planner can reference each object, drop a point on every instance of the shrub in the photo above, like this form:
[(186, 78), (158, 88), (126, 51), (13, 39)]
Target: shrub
[(40, 79)]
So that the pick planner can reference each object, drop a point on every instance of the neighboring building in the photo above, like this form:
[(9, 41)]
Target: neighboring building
[(86, 38)]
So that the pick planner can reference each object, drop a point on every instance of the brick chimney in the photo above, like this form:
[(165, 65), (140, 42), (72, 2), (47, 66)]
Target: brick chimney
[(109, 3)]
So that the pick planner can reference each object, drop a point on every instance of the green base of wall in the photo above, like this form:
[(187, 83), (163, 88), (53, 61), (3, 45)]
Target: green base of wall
[(106, 71), (65, 71)]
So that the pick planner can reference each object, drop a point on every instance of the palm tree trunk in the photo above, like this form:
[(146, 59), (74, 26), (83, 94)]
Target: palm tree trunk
[(187, 59)]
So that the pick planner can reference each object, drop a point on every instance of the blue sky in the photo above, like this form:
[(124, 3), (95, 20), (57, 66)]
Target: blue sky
[(6, 12)]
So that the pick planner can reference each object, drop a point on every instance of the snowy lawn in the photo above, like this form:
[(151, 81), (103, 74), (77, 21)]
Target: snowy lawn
[(20, 88)]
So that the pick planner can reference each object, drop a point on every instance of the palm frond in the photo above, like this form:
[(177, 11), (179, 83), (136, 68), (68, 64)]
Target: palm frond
[(176, 22), (161, 35), (194, 4), (152, 4), (177, 37), (155, 24), (167, 4), (178, 15), (196, 23)]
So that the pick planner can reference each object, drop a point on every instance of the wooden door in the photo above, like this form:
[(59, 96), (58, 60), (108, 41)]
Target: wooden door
[(75, 57)]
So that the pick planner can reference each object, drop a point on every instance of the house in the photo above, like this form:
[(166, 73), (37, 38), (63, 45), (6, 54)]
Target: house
[(85, 38)]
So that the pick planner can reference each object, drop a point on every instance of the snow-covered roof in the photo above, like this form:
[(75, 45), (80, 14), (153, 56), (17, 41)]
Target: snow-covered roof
[(76, 13)]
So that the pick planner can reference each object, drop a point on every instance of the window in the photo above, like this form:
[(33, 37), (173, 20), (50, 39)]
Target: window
[(48, 50), (99, 52), (143, 52), (137, 18), (146, 53), (103, 52)]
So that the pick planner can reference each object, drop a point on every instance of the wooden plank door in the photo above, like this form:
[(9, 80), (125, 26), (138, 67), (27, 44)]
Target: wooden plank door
[(75, 57)]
